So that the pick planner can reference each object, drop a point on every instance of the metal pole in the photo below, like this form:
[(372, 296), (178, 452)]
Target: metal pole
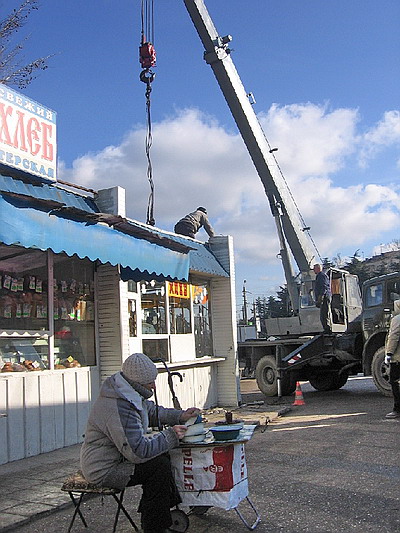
[(244, 304)]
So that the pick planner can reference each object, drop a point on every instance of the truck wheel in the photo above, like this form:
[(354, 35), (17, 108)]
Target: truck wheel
[(266, 377), (380, 372), (329, 381)]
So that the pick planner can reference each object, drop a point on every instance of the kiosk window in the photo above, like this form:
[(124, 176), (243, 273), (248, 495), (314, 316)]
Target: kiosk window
[(153, 307), (74, 333)]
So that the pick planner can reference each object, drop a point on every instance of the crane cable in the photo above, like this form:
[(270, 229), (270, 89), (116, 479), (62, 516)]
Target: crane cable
[(147, 59), (304, 228)]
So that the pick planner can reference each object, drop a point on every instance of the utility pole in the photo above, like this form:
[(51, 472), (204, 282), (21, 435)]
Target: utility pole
[(244, 304)]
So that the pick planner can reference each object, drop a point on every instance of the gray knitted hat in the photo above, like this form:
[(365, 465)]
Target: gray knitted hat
[(139, 368)]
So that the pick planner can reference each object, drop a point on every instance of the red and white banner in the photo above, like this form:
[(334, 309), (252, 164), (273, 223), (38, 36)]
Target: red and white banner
[(27, 135)]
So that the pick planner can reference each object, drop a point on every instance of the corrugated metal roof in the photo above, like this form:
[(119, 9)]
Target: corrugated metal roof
[(80, 208), (202, 259), (27, 225), (47, 192)]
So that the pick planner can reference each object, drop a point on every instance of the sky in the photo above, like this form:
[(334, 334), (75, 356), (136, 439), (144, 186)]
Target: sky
[(325, 76)]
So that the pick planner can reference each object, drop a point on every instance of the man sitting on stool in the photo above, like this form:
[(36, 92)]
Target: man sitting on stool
[(118, 450)]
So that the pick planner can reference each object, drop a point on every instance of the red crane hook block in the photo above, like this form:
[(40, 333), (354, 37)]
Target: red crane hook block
[(147, 55)]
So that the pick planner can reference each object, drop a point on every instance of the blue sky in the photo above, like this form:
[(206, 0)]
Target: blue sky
[(325, 76)]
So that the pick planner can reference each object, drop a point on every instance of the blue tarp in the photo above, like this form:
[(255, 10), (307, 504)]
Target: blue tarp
[(25, 226)]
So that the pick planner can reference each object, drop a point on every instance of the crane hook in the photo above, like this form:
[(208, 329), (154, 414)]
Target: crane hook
[(147, 76)]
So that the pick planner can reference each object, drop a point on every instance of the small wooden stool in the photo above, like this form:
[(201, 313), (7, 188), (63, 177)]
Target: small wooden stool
[(77, 484)]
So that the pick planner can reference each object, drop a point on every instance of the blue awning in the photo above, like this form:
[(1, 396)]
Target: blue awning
[(23, 225)]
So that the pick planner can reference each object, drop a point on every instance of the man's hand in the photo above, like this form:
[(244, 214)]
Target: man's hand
[(180, 431), (192, 411), (388, 358)]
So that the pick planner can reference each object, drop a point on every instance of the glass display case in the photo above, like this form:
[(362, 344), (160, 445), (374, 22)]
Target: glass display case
[(18, 354)]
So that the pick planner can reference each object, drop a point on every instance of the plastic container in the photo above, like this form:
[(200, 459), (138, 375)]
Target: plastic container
[(226, 432)]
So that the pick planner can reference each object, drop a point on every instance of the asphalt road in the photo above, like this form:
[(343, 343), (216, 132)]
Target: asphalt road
[(331, 465)]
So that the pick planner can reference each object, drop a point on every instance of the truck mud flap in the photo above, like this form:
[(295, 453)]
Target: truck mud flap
[(311, 349)]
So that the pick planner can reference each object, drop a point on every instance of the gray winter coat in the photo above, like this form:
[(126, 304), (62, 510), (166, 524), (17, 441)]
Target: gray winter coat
[(393, 337), (116, 434)]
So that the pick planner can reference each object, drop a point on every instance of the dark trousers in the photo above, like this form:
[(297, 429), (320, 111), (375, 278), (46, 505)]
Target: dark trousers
[(394, 377), (159, 493), (184, 228), (323, 313)]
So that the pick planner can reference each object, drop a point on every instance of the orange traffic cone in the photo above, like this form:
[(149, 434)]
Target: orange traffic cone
[(298, 395)]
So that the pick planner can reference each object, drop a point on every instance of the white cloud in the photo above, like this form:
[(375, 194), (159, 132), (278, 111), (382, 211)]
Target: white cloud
[(382, 135), (311, 140), (196, 162)]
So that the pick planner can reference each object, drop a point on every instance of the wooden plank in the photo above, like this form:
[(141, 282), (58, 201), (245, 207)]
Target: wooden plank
[(58, 403), (83, 398), (70, 409), (4, 452), (15, 417), (32, 415), (47, 415)]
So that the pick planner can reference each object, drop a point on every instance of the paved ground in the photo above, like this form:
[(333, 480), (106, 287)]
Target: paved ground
[(332, 465)]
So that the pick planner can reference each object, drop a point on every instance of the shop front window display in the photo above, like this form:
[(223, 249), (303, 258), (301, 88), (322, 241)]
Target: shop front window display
[(28, 335), (74, 332), (23, 309), (179, 308), (202, 320), (23, 289)]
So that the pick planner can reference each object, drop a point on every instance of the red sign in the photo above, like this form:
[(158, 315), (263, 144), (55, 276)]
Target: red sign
[(179, 290)]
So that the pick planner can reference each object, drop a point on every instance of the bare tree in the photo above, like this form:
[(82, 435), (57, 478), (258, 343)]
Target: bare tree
[(13, 69)]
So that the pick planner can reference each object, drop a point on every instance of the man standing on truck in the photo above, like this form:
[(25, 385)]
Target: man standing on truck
[(392, 358), (191, 223), (322, 291)]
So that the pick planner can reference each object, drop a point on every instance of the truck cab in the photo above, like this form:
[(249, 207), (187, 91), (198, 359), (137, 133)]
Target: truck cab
[(379, 293), (344, 311)]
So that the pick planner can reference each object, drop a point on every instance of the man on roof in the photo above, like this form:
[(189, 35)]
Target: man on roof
[(190, 224)]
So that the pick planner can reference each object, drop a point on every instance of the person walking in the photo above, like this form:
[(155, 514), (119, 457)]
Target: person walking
[(119, 451), (190, 224), (392, 358), (322, 291)]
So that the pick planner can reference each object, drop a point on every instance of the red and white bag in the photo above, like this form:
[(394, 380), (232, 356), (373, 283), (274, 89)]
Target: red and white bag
[(211, 475)]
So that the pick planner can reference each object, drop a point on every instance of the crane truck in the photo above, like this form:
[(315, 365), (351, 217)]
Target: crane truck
[(296, 347)]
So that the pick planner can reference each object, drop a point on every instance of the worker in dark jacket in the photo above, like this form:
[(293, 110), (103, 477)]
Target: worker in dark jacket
[(118, 449), (392, 358), (191, 223), (322, 292)]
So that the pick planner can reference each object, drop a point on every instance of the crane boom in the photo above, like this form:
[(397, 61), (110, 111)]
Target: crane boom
[(217, 55)]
